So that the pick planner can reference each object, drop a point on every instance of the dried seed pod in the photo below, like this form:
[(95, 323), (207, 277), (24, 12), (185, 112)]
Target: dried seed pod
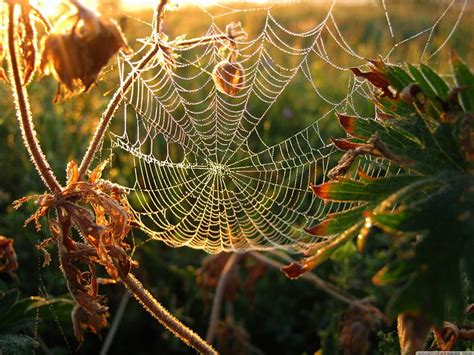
[(229, 77)]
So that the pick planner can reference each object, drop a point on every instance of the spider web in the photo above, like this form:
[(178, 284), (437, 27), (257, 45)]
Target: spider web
[(209, 171)]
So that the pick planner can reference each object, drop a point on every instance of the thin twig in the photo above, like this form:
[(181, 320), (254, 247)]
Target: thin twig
[(25, 120), (164, 316), (115, 324), (111, 108), (315, 280), (122, 90), (220, 289)]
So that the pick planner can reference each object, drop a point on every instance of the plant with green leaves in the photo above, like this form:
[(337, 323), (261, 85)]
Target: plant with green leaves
[(422, 196), (19, 316)]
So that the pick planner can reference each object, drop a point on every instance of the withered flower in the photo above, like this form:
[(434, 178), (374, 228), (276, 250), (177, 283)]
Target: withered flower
[(8, 260), (80, 47), (100, 212)]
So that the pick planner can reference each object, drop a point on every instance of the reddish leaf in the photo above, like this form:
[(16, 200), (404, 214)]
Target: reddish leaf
[(8, 260), (376, 78), (320, 228), (349, 124), (364, 176), (344, 144), (323, 190), (295, 270)]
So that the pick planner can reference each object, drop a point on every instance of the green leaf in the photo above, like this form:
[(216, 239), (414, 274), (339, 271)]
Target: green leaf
[(399, 79), (465, 79), (368, 190), (437, 83), (7, 300), (339, 222), (421, 81), (17, 344)]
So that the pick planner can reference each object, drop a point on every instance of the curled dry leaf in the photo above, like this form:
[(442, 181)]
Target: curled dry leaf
[(447, 336), (3, 76), (100, 212), (360, 320), (377, 77), (27, 43), (8, 260), (80, 47)]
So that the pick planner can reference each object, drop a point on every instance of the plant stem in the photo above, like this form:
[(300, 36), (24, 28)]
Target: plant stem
[(220, 289), (23, 110), (164, 316), (110, 110), (315, 280), (115, 324)]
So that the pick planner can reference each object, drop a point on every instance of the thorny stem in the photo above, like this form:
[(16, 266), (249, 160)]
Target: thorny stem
[(23, 111), (220, 289), (164, 316)]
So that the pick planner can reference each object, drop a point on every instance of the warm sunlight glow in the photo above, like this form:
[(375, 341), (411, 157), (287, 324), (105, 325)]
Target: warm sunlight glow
[(50, 7), (140, 4), (55, 8)]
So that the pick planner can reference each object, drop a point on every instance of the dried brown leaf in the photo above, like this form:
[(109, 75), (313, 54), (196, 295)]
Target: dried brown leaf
[(27, 44), (8, 259), (80, 48)]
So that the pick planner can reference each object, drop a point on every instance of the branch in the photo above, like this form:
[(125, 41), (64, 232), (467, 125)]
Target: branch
[(164, 316), (312, 278), (220, 289), (25, 120)]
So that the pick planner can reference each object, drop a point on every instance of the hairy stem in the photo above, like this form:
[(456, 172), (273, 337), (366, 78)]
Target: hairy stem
[(110, 110), (164, 316), (23, 110), (220, 289)]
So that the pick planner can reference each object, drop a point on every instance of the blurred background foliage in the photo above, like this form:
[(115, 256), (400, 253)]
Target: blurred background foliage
[(282, 316)]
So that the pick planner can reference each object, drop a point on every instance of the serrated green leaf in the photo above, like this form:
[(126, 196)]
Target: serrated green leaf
[(399, 79), (339, 222), (368, 190), (438, 84), (464, 78), (422, 82)]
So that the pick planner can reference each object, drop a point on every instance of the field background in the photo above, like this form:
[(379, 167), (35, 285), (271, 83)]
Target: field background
[(273, 314)]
